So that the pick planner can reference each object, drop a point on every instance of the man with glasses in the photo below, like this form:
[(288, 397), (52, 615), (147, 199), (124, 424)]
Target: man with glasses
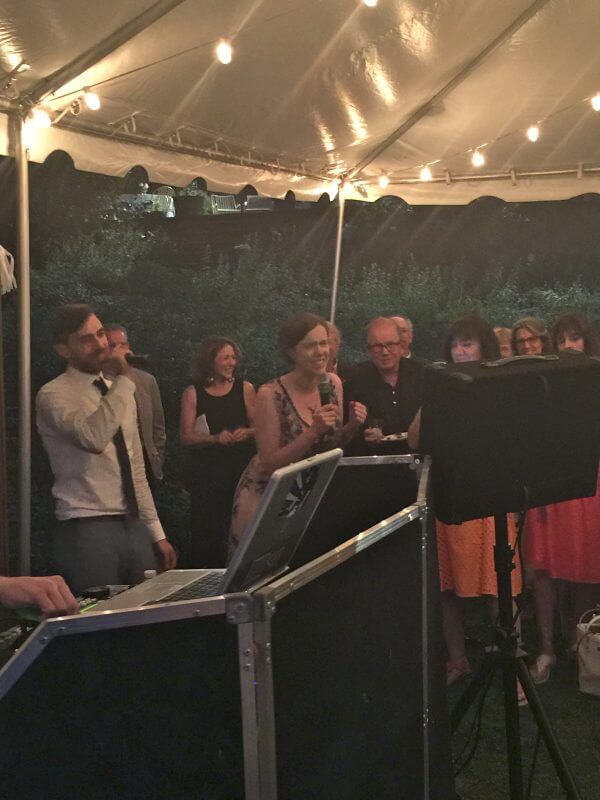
[(389, 385)]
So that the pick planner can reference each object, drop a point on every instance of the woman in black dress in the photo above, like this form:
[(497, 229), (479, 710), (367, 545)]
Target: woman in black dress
[(216, 426)]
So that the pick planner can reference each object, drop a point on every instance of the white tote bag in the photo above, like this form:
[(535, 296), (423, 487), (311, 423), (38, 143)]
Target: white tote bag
[(7, 271), (588, 652)]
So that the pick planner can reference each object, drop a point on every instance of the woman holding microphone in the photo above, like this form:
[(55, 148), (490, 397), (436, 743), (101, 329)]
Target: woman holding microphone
[(297, 415)]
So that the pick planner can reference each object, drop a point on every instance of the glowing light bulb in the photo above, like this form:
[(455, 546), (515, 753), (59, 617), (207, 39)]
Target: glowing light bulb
[(477, 159), (533, 133), (370, 3), (425, 174), (28, 133), (596, 102), (91, 100), (384, 181), (39, 117), (224, 52), (345, 187)]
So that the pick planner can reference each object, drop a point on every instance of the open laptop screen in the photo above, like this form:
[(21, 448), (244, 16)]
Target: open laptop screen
[(286, 508)]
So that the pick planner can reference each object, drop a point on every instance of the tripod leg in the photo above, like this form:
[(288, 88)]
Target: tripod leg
[(503, 556), (513, 731), (537, 709), (476, 685)]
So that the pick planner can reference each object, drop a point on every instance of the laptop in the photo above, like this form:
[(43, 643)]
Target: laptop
[(265, 550)]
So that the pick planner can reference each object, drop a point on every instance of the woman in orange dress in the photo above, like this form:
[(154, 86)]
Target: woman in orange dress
[(562, 540), (466, 551)]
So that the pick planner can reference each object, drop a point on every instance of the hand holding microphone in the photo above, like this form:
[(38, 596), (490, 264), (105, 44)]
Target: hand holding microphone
[(326, 417), (324, 388)]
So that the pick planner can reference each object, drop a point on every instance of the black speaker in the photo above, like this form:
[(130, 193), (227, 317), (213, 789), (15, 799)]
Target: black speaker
[(512, 434)]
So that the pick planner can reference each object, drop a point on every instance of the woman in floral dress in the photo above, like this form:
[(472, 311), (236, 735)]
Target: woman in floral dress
[(291, 422)]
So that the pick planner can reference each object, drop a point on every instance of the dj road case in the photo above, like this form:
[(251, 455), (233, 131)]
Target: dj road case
[(347, 664), (327, 683)]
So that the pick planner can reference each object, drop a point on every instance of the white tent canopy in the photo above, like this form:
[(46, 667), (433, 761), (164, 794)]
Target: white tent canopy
[(316, 90), (319, 93)]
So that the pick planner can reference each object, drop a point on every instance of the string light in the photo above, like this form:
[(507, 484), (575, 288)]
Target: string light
[(478, 159), (224, 52), (29, 132), (91, 99), (370, 3), (333, 188), (345, 187), (38, 117)]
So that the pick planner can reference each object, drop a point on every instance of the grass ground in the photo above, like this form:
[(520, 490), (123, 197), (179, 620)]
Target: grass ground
[(575, 718)]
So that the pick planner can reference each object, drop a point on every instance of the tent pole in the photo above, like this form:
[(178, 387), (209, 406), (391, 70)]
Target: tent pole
[(338, 254), (84, 61), (459, 78), (24, 350)]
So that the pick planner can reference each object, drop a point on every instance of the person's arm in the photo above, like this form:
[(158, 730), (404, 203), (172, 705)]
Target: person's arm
[(268, 432), (159, 436), (146, 508), (93, 432), (241, 434), (188, 435), (356, 412), (50, 594)]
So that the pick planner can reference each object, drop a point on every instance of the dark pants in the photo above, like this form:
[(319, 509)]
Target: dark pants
[(95, 551), (211, 489)]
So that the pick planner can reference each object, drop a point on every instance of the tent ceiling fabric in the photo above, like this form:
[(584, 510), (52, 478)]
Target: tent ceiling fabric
[(315, 86)]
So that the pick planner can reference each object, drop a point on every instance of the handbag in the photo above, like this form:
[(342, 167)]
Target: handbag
[(7, 271), (588, 652)]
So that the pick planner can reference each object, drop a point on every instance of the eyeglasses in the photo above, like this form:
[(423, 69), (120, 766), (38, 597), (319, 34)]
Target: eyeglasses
[(527, 340), (379, 348)]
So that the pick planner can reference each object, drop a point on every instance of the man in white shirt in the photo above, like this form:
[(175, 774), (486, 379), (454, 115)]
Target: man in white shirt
[(108, 530)]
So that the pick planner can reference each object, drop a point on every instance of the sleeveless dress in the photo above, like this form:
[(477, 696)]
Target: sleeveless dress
[(254, 480), (466, 557), (563, 539), (212, 473)]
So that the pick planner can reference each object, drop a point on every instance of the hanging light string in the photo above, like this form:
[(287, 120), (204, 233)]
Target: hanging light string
[(538, 125), (211, 43), (223, 52)]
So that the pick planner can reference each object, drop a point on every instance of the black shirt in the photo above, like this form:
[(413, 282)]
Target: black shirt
[(395, 405)]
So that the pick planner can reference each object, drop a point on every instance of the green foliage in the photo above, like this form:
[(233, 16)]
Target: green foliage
[(169, 302)]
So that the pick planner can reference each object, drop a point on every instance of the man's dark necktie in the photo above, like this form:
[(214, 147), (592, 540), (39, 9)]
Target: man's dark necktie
[(123, 459)]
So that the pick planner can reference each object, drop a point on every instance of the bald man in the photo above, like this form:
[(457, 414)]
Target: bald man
[(390, 386)]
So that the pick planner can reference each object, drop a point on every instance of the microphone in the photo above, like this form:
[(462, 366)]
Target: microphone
[(324, 390)]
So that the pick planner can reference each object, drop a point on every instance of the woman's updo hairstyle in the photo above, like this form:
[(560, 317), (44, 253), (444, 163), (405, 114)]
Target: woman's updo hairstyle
[(295, 329)]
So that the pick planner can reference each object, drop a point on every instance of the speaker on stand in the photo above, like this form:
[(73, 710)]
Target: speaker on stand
[(506, 436)]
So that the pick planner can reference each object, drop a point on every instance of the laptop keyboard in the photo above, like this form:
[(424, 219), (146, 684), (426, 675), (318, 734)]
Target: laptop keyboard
[(207, 586)]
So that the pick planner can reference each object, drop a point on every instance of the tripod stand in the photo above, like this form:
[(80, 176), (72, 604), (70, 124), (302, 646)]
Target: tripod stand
[(507, 657)]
